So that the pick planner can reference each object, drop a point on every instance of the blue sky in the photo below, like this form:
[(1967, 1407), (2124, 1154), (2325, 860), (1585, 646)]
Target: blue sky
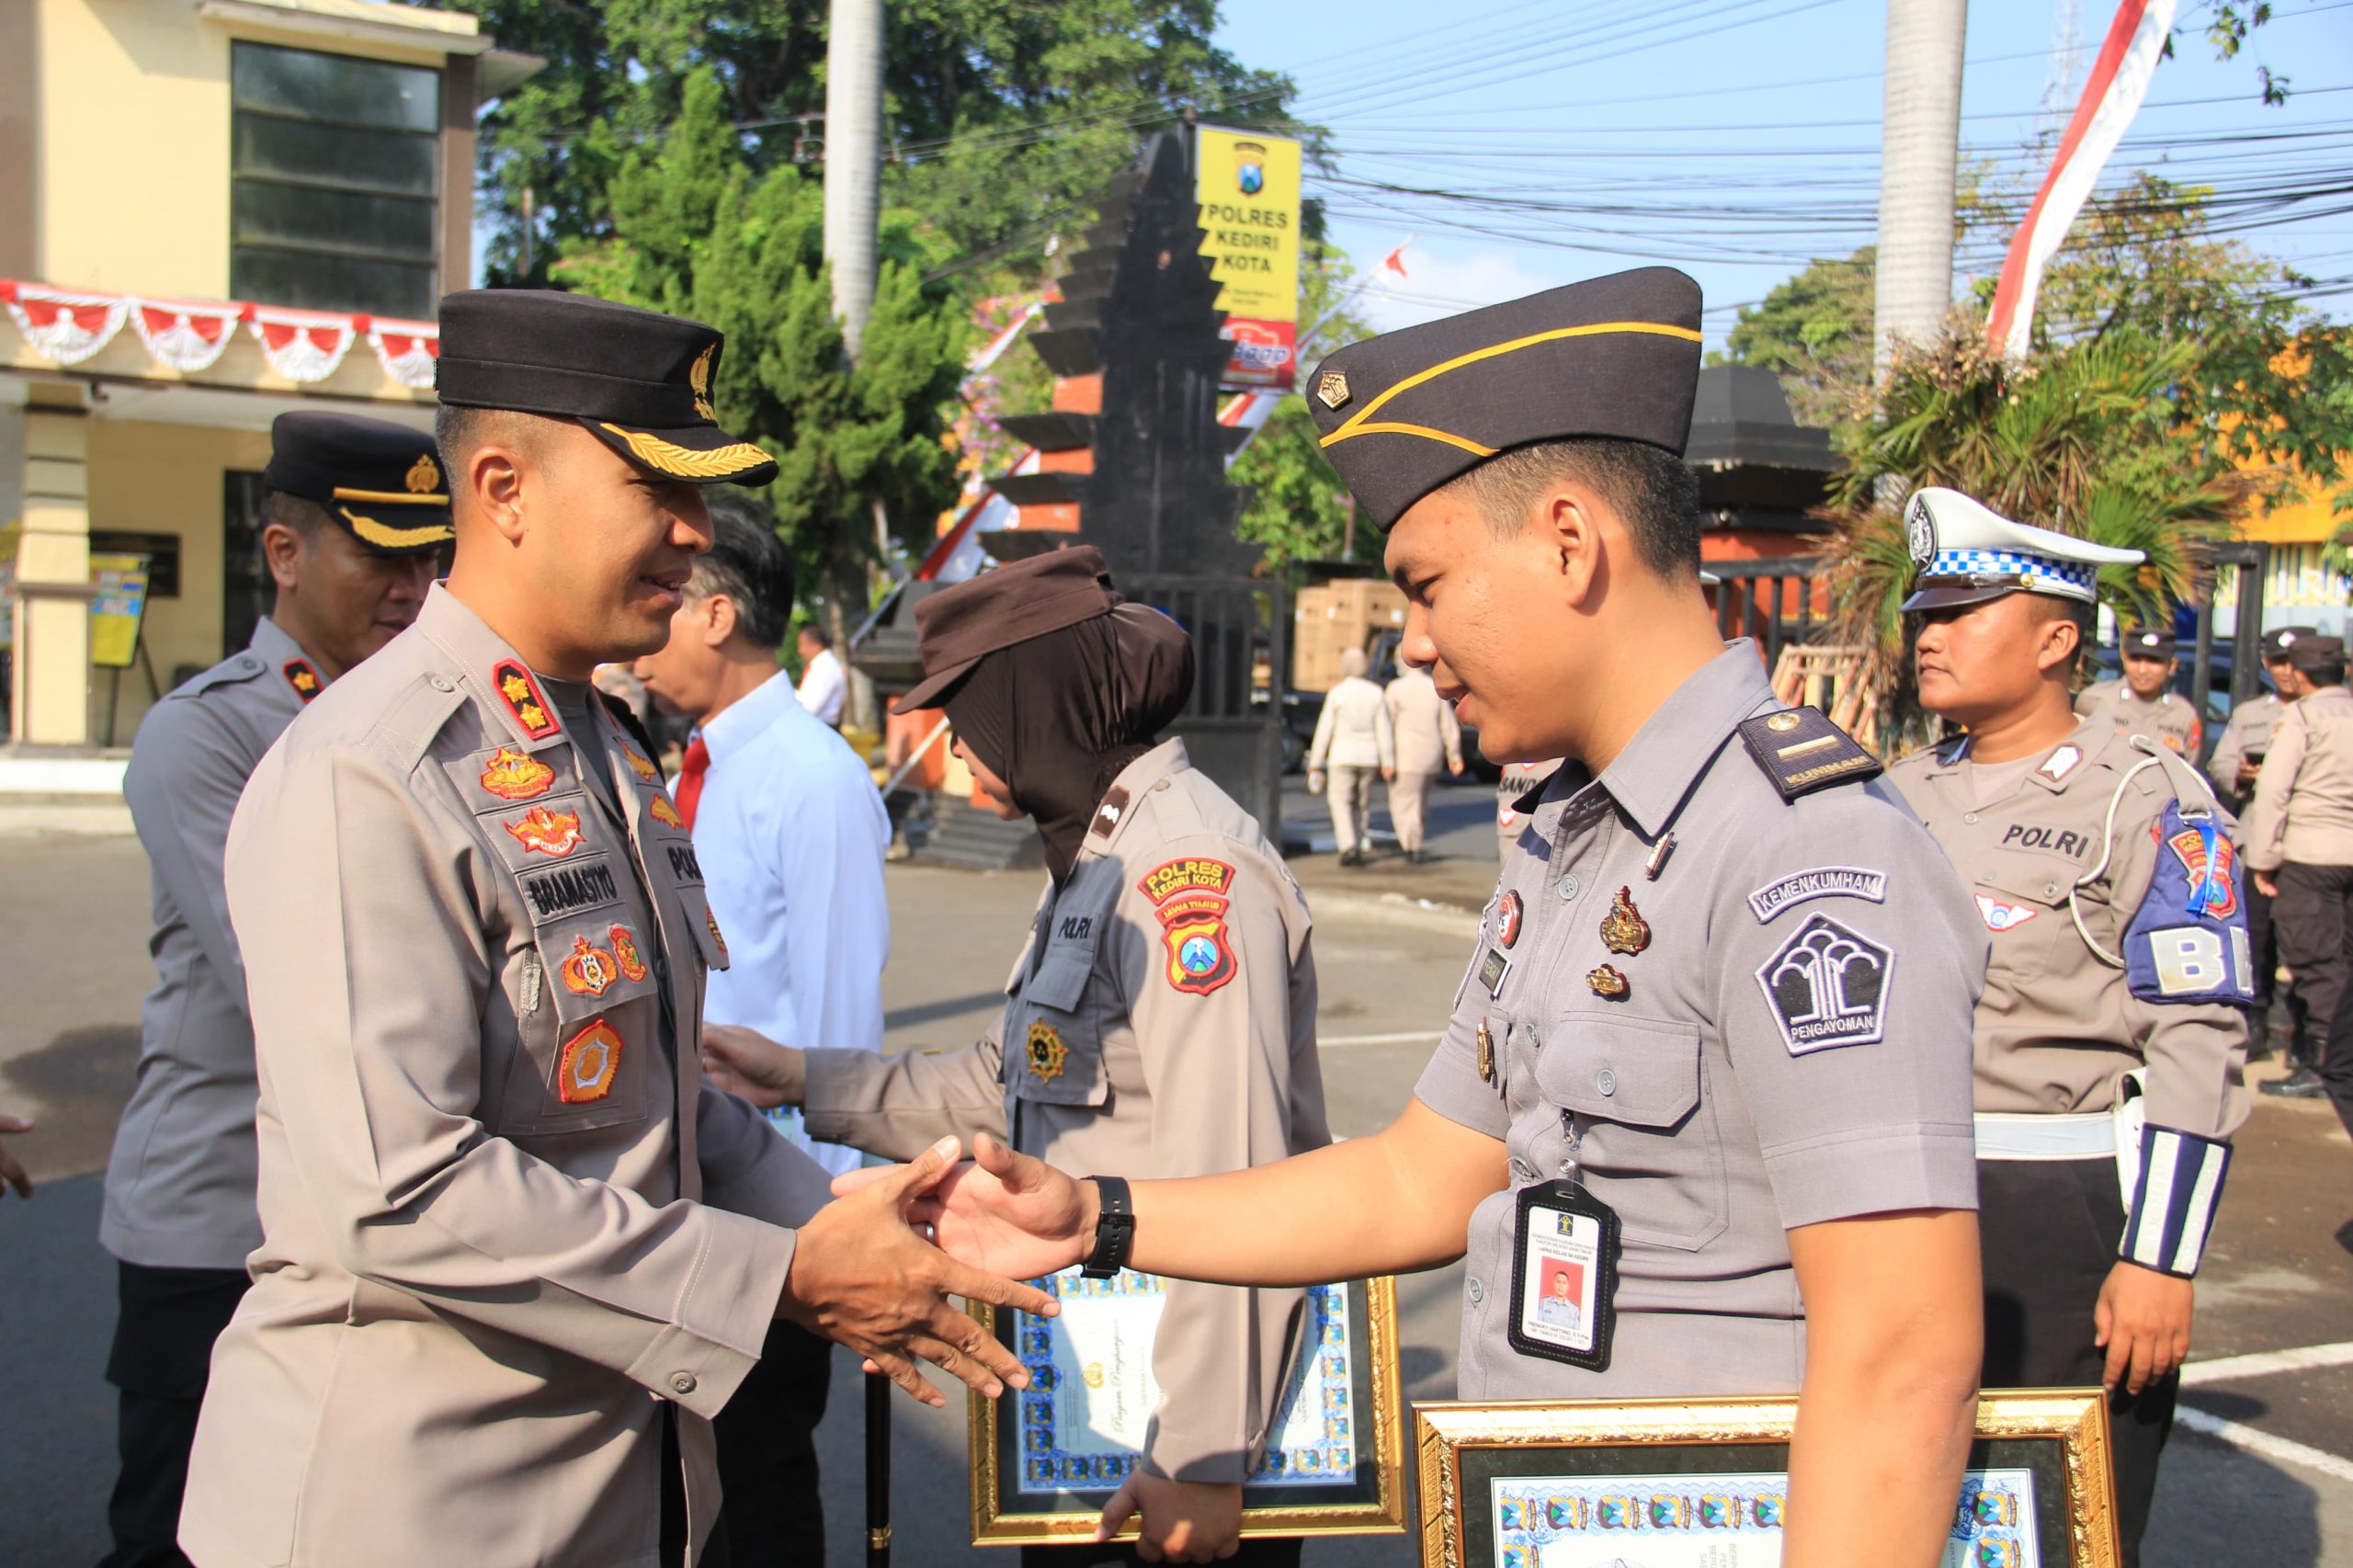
[(1738, 138)]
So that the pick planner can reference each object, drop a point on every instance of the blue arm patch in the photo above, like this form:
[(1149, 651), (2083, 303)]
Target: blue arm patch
[(2187, 941)]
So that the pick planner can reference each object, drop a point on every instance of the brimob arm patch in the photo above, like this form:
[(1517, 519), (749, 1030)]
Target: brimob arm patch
[(1801, 751)]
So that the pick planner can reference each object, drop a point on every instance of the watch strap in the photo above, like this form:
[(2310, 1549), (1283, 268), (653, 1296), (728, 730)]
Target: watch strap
[(1115, 1228)]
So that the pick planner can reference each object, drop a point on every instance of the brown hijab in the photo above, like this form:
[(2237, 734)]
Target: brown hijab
[(1059, 716)]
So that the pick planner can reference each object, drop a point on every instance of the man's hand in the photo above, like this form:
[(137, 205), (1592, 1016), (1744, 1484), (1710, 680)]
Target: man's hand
[(2266, 884), (12, 1171), (1184, 1521), (2248, 774), (1454, 767), (1388, 774), (1004, 1213), (861, 1276), (748, 1064), (2142, 1319), (1314, 781)]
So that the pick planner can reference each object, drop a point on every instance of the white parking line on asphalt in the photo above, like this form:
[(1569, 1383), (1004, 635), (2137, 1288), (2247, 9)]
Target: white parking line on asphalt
[(1418, 1037), (2230, 1369), (2255, 1440)]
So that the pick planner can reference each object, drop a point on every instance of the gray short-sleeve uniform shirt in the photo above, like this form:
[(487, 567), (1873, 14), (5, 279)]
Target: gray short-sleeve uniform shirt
[(1789, 1044)]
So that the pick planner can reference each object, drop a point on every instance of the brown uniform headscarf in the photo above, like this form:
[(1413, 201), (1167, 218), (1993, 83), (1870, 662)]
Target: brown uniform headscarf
[(1058, 716)]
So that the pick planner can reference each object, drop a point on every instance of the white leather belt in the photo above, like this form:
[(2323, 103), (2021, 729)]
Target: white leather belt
[(2003, 1135)]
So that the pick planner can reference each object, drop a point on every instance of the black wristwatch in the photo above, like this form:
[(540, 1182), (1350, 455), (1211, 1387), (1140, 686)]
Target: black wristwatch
[(1115, 1228)]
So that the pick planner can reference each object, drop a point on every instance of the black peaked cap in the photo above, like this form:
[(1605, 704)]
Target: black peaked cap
[(1615, 357), (380, 483), (638, 381)]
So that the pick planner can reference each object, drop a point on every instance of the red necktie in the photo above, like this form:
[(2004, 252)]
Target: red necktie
[(690, 772)]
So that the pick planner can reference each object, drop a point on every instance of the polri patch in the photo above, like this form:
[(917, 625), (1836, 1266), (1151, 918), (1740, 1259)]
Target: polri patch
[(1189, 897), (303, 678), (1827, 986), (662, 811), (512, 775), (1819, 881), (544, 831), (640, 764), (590, 970), (1801, 751), (626, 954), (521, 694), (590, 1061)]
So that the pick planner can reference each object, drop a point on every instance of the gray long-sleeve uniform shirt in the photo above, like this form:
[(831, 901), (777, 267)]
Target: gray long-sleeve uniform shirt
[(1788, 1045), (1160, 1022), (505, 1221), (180, 1183)]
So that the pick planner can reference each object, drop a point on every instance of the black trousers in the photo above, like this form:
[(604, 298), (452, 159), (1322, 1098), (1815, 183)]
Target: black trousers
[(165, 1322), (2263, 944), (767, 1453), (2049, 1230), (2315, 914), (1254, 1554)]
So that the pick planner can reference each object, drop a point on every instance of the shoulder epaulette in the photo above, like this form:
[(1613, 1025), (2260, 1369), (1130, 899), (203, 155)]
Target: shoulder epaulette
[(228, 671), (1801, 751)]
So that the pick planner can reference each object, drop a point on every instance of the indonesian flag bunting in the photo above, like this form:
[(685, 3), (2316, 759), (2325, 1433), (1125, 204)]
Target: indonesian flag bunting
[(301, 346), (2119, 80), (64, 328), (1247, 411), (182, 335), (408, 349)]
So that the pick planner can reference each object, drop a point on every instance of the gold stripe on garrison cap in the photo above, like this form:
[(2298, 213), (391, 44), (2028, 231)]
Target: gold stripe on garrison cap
[(389, 497), (685, 462), (1356, 424)]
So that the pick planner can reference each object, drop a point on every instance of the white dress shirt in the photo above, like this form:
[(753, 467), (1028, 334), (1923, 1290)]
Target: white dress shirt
[(790, 833), (821, 686)]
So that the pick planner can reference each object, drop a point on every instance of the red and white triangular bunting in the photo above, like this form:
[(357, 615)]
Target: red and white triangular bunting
[(63, 328), (183, 334), (302, 346), (408, 349)]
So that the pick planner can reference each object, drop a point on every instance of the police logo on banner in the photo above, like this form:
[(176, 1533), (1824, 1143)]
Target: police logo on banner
[(1827, 986), (2187, 941)]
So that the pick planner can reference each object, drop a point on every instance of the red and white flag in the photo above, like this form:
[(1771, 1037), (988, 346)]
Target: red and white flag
[(2119, 80), (183, 334), (62, 326), (301, 346)]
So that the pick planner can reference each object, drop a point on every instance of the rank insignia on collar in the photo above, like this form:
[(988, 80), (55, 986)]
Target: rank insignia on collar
[(2061, 763), (1624, 929), (303, 678), (1045, 1052), (1108, 814), (590, 970), (1507, 919), (710, 922), (512, 775), (521, 694), (625, 954), (642, 765), (544, 831), (590, 1061), (662, 811), (1608, 985)]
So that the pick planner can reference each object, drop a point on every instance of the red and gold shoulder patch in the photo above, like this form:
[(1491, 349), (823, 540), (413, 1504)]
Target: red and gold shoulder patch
[(521, 694), (512, 775), (303, 678), (625, 953), (590, 970), (662, 811), (640, 764), (541, 831), (711, 921), (1190, 898), (590, 1061)]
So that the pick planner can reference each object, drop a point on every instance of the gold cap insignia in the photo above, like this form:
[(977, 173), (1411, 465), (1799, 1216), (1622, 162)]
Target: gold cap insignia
[(1783, 723), (424, 476), (1332, 389), (699, 378)]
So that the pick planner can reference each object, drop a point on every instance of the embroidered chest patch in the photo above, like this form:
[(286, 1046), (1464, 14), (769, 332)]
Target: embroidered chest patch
[(512, 775), (2000, 916), (544, 831), (1827, 986), (1190, 899), (590, 1060), (1045, 1052)]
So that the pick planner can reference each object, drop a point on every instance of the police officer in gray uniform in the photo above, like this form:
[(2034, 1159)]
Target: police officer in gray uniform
[(2233, 768), (2107, 1051), (1709, 1056), (355, 517)]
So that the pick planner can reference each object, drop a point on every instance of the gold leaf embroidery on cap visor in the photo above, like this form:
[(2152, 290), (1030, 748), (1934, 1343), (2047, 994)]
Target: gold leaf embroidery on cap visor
[(685, 462), (383, 536), (1360, 423)]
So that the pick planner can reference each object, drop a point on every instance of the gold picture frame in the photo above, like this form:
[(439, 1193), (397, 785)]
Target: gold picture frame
[(1369, 1501), (2059, 1436)]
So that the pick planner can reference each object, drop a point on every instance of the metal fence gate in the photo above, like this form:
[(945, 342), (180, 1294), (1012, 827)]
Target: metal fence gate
[(1232, 725)]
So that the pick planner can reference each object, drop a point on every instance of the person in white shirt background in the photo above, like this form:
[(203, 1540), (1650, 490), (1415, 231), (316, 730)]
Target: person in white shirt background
[(1353, 740), (790, 831), (822, 683)]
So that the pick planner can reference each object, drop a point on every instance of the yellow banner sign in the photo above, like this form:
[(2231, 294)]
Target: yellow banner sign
[(1247, 185), (121, 582)]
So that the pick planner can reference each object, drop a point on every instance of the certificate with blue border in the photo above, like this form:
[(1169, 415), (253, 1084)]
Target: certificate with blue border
[(1047, 1458)]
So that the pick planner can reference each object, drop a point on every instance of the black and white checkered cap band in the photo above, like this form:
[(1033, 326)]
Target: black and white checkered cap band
[(2181, 1188), (2076, 579)]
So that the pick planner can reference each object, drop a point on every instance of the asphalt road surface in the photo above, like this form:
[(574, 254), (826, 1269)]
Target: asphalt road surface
[(2274, 1489)]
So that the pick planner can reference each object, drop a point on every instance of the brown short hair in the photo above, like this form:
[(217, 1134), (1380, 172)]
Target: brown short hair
[(1654, 491)]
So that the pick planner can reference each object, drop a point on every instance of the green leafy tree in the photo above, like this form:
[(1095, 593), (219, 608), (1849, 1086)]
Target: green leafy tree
[(696, 231), (1298, 508), (1003, 116), (1813, 331)]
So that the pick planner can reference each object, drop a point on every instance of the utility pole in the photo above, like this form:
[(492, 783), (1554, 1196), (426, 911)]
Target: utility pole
[(1919, 155), (853, 158), (853, 176)]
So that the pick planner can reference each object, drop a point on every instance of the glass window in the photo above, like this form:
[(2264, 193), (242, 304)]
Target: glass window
[(335, 182)]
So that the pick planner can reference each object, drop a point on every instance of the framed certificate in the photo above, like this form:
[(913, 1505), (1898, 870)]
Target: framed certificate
[(1046, 1458), (1704, 1484)]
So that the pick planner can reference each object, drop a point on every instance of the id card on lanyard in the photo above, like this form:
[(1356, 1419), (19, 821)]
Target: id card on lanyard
[(1565, 1275)]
